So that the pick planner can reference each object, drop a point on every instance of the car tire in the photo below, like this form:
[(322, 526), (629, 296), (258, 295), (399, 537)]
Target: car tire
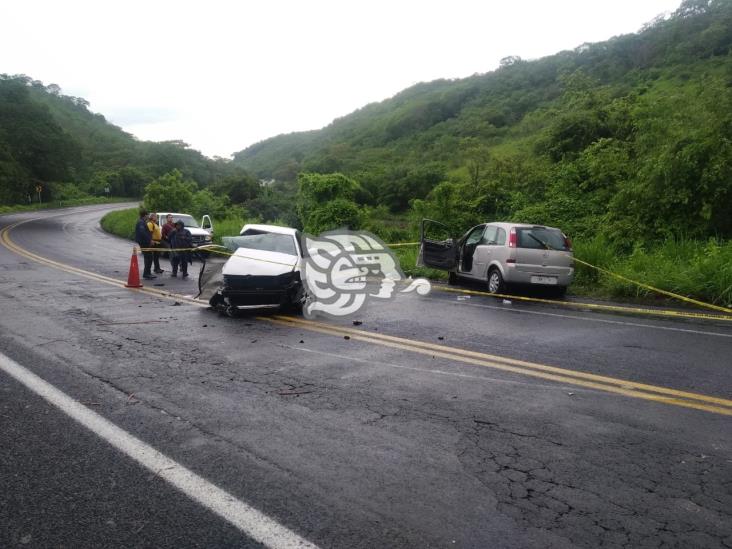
[(495, 283), (560, 292), (452, 278)]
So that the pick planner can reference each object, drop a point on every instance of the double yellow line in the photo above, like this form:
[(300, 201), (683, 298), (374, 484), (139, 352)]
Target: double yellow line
[(582, 379), (12, 246), (627, 388)]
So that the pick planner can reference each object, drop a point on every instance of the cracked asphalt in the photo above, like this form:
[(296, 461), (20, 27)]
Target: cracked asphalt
[(348, 443)]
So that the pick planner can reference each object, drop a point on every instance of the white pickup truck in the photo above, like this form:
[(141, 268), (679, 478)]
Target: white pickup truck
[(201, 234)]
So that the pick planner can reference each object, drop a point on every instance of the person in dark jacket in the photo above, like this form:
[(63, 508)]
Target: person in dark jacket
[(180, 239), (144, 240)]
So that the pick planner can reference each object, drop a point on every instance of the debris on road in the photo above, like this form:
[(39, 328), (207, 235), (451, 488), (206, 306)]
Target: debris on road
[(357, 322), (463, 297), (507, 302), (346, 337)]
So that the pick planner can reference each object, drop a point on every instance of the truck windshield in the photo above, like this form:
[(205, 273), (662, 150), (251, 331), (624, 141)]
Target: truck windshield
[(268, 242), (187, 220)]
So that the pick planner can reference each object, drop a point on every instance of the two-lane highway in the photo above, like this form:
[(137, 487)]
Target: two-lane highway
[(435, 422)]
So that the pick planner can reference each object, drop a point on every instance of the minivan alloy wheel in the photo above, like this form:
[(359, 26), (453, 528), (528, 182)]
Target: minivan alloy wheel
[(495, 281)]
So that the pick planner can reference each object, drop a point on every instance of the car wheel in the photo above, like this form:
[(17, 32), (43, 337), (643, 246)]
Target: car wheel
[(452, 278), (496, 285), (560, 292)]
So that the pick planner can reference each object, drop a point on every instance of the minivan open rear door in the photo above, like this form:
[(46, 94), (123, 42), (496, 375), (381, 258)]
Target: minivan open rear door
[(436, 252)]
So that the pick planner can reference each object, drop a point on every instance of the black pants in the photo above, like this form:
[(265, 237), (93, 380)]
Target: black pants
[(156, 257), (180, 258), (147, 258)]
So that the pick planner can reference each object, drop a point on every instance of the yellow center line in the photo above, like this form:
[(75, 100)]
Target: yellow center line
[(618, 386), (625, 384), (12, 246), (593, 381)]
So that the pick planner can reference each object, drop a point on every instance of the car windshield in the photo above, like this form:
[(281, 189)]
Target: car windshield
[(536, 237), (187, 220), (268, 242)]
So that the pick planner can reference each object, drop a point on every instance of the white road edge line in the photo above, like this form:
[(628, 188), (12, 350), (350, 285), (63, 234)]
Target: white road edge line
[(253, 523)]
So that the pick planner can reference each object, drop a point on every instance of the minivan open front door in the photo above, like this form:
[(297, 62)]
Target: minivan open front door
[(436, 252)]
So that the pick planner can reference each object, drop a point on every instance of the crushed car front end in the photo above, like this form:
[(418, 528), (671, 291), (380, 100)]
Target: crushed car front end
[(241, 275)]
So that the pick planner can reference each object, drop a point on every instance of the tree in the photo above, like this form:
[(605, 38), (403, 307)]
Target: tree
[(325, 201), (170, 192)]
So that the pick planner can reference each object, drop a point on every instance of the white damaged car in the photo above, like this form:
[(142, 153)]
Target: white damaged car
[(259, 269), (268, 266)]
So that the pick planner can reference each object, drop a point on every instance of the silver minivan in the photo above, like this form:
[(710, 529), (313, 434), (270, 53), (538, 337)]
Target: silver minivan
[(501, 254)]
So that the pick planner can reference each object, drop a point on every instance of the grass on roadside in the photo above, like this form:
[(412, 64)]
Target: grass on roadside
[(61, 204), (121, 222), (692, 268)]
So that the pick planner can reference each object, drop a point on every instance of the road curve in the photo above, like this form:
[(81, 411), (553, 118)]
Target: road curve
[(435, 422)]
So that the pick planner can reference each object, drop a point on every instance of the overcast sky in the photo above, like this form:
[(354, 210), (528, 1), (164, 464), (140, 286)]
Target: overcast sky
[(222, 75)]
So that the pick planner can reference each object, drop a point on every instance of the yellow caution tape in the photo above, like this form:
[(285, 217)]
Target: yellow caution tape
[(657, 290), (595, 306), (400, 244)]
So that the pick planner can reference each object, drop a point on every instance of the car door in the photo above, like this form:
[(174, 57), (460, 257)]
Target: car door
[(468, 247), (436, 252), (207, 224), (483, 252)]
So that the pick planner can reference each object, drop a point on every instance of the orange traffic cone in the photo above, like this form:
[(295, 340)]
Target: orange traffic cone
[(133, 278)]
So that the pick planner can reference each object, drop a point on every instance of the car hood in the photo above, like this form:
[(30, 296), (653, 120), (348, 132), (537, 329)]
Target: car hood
[(195, 231), (246, 261)]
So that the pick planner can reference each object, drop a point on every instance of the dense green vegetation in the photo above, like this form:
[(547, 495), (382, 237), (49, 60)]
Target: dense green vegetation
[(629, 138)]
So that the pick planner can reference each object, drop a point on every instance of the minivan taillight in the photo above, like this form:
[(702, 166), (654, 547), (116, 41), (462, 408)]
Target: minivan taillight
[(567, 243), (512, 238)]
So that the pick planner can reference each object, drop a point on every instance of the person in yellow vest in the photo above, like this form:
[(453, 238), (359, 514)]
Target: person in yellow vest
[(156, 235)]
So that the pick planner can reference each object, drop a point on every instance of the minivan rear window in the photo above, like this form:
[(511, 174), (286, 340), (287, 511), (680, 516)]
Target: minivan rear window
[(532, 237)]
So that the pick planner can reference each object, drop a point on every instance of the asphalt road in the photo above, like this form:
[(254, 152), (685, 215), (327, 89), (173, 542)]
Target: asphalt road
[(435, 422)]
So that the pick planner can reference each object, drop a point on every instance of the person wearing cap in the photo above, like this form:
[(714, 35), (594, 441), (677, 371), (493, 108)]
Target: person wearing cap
[(144, 240), (180, 242)]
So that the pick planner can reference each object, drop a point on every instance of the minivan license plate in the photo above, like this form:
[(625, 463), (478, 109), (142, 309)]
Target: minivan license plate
[(543, 280)]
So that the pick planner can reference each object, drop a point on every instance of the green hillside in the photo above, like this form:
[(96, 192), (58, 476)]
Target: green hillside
[(54, 140), (628, 138)]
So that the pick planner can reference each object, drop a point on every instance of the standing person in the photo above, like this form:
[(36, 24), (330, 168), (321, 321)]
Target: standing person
[(168, 228), (180, 239), (144, 240), (156, 235)]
